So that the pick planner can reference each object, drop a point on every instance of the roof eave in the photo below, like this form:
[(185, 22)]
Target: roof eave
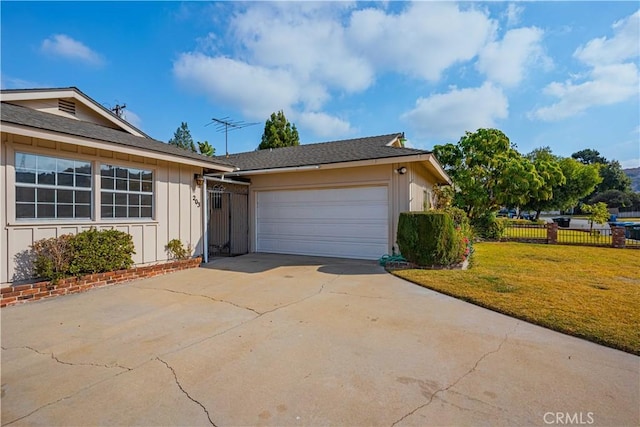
[(434, 167), (28, 131), (72, 92), (422, 157)]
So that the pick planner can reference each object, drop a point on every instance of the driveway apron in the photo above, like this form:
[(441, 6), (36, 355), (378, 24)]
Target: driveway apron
[(286, 340)]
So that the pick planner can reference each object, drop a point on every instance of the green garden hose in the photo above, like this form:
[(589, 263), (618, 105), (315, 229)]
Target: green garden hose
[(384, 259)]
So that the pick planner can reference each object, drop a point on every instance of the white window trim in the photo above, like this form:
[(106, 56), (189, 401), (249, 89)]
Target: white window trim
[(54, 187)]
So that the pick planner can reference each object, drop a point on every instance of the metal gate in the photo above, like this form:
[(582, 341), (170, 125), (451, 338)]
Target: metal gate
[(228, 220)]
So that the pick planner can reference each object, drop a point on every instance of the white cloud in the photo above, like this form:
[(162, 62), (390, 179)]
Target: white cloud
[(297, 56), (506, 61), (512, 14), (607, 85), (449, 115), (621, 47), (64, 46), (307, 39), (132, 118), (9, 82), (257, 91), (609, 81), (324, 125), (423, 40)]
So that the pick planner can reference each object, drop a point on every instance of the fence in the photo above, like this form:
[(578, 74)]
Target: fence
[(615, 236), (629, 214)]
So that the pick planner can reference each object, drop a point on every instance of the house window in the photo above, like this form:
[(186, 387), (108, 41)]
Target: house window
[(426, 204), (126, 192), (52, 187)]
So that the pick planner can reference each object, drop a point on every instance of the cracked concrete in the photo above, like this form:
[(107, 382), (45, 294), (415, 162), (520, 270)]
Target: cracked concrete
[(453, 384), (283, 340), (175, 377), (53, 356), (203, 296)]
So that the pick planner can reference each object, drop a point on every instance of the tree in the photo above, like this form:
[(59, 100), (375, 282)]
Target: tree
[(182, 138), (278, 132), (589, 157), (598, 213), (613, 178), (634, 199), (548, 167), (488, 172), (206, 148), (581, 179), (612, 198)]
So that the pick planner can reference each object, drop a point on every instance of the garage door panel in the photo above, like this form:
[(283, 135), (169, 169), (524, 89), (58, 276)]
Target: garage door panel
[(327, 210), (350, 222), (325, 227)]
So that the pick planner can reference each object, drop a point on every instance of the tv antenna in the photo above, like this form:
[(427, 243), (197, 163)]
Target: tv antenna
[(118, 110), (226, 124)]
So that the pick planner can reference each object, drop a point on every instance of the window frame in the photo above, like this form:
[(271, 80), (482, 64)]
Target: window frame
[(56, 188), (125, 194)]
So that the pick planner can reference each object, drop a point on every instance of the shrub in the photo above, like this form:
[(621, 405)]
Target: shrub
[(52, 257), (515, 221), (177, 250), (488, 226), (91, 251), (430, 239), (99, 251)]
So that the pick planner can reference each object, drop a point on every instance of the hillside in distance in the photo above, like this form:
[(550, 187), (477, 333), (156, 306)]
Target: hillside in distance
[(634, 174)]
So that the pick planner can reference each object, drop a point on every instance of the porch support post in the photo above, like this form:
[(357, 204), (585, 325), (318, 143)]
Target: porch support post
[(205, 222)]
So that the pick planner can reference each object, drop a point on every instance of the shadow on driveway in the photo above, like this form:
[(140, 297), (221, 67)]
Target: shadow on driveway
[(262, 262)]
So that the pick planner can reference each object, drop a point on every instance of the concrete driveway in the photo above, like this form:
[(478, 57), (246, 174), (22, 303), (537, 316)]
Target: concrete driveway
[(283, 340)]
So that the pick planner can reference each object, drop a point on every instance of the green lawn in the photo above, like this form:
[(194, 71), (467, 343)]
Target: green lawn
[(589, 292)]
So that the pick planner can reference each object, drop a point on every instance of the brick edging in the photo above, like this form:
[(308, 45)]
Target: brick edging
[(16, 294)]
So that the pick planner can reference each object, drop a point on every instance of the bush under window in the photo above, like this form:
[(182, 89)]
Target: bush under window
[(92, 251)]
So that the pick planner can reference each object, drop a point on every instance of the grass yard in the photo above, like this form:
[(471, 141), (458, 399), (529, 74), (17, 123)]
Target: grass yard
[(589, 292)]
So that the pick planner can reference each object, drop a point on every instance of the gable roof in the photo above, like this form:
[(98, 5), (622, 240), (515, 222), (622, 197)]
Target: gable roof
[(348, 150), (27, 117), (9, 95)]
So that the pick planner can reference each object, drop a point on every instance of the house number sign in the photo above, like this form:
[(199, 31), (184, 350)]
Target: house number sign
[(196, 201)]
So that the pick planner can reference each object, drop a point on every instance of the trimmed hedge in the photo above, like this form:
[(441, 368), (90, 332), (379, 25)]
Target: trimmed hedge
[(488, 226), (90, 251), (99, 251), (430, 239)]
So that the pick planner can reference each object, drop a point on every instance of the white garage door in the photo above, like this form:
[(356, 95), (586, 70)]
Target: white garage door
[(345, 222)]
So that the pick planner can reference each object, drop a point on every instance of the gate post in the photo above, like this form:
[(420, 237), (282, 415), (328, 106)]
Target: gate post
[(552, 233), (618, 237), (205, 220)]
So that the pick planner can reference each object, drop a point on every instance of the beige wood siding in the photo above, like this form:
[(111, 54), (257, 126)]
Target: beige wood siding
[(82, 111), (176, 213), (421, 188)]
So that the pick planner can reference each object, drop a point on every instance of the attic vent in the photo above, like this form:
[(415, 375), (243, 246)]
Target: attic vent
[(67, 106)]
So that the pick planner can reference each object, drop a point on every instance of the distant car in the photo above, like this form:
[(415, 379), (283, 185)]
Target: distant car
[(509, 213)]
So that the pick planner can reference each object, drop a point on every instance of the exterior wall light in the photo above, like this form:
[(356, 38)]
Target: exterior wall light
[(199, 179), (401, 170)]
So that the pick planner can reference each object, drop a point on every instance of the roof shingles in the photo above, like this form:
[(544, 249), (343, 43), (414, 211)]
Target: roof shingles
[(350, 150), (24, 116)]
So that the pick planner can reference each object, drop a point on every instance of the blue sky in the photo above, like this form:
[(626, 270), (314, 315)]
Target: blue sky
[(558, 74)]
